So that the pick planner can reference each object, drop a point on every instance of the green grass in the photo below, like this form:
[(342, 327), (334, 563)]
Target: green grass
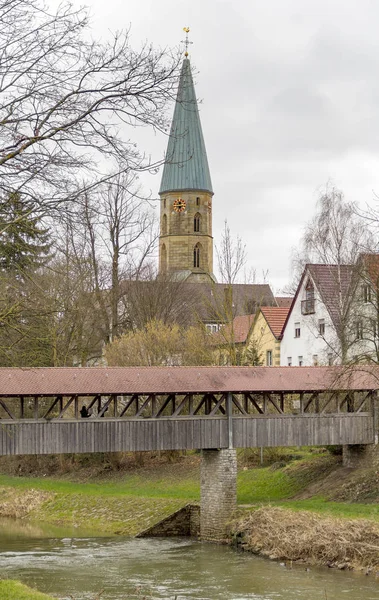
[(14, 590), (265, 485), (136, 485), (136, 501), (336, 509)]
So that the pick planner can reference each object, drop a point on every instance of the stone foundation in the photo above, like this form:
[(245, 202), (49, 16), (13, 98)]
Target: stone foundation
[(183, 522), (362, 456), (218, 476)]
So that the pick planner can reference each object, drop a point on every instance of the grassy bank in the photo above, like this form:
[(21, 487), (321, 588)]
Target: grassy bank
[(130, 500), (14, 590)]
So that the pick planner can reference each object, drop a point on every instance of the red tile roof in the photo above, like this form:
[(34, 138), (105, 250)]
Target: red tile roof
[(236, 332), (370, 263), (276, 317), (162, 380)]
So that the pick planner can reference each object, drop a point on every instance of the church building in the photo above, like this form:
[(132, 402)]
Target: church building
[(186, 243)]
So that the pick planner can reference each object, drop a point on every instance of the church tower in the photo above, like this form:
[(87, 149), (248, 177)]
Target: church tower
[(185, 242)]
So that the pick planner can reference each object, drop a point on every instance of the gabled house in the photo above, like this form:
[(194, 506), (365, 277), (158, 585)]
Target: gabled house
[(320, 327), (266, 334), (366, 317), (252, 339)]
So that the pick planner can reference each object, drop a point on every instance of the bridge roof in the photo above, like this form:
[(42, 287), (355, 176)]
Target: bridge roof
[(180, 380)]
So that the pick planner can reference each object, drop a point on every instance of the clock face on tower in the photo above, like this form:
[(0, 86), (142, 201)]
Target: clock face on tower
[(179, 205)]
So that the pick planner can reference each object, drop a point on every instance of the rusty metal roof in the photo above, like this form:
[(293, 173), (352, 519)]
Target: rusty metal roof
[(161, 380)]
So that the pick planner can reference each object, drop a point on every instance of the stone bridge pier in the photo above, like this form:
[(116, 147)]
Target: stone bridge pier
[(218, 492)]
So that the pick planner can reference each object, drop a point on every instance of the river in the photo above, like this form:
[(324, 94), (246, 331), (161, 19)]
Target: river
[(69, 565)]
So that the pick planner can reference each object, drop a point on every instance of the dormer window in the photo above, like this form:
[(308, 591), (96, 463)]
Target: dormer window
[(366, 293), (308, 305)]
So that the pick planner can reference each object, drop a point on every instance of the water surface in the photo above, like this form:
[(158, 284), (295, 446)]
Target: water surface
[(80, 567)]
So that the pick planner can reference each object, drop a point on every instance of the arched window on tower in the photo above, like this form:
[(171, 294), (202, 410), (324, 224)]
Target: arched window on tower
[(163, 259), (196, 256), (164, 225), (196, 222)]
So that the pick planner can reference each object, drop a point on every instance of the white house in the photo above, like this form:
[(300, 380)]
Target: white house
[(311, 332)]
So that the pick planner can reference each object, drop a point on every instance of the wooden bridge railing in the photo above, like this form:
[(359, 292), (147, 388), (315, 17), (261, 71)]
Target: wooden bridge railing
[(175, 406)]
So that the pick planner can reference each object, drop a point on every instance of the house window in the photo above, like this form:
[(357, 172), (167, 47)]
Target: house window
[(300, 359), (196, 256), (321, 326), (359, 330), (366, 293), (197, 201), (315, 360), (212, 327), (297, 330), (308, 305), (196, 222), (269, 358), (330, 359), (289, 361)]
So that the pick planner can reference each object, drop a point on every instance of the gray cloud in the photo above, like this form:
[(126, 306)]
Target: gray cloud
[(290, 95)]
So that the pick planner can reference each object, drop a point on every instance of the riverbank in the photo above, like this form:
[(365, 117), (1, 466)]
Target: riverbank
[(305, 537), (14, 590), (302, 486)]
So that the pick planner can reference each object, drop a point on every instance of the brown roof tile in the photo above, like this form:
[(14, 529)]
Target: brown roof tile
[(371, 265), (161, 380), (239, 330), (333, 283), (284, 301), (276, 317)]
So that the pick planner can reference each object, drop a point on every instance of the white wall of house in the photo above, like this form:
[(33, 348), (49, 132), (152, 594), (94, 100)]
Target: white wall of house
[(310, 347)]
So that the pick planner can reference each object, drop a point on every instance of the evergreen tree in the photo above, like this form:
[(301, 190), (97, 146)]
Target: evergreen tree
[(24, 244)]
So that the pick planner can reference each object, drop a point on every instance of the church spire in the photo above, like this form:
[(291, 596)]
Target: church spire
[(186, 165), (185, 241)]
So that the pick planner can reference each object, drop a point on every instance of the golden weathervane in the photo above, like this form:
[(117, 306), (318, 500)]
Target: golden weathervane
[(186, 42)]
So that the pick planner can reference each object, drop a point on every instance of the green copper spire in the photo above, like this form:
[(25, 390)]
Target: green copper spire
[(186, 165)]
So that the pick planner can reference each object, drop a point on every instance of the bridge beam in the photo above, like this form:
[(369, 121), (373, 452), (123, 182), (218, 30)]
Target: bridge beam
[(218, 494)]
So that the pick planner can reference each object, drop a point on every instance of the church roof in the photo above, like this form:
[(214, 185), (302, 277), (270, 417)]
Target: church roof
[(186, 165)]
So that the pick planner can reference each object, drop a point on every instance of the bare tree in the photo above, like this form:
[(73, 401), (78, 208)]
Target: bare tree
[(149, 297), (335, 238), (127, 228), (67, 102), (231, 256)]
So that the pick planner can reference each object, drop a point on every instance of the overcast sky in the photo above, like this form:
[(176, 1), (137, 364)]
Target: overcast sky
[(290, 101)]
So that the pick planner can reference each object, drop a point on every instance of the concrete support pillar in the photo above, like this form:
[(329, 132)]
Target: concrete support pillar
[(218, 494)]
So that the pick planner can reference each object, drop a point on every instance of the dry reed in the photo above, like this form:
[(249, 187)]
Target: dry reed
[(308, 537)]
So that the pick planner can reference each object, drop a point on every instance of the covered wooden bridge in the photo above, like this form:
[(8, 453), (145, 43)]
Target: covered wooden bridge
[(165, 408)]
